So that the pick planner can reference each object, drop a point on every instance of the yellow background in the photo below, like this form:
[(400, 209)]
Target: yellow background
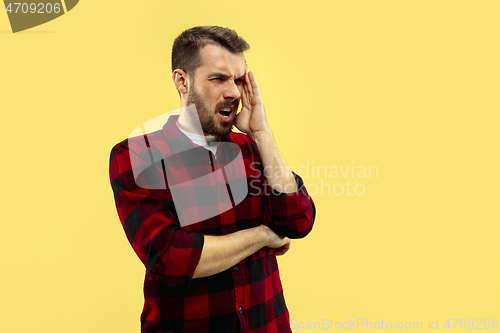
[(411, 87)]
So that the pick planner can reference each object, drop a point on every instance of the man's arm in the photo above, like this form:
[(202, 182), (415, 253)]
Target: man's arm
[(278, 174), (291, 211), (169, 253), (252, 121), (148, 216), (222, 252)]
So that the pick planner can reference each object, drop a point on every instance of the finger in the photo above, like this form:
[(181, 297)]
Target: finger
[(274, 252), (247, 86), (255, 86), (287, 247), (251, 78), (246, 93), (244, 97), (249, 96), (281, 251)]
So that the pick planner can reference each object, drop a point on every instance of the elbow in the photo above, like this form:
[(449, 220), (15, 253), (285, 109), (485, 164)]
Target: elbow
[(306, 228), (303, 227), (164, 273), (177, 264), (294, 229), (305, 224)]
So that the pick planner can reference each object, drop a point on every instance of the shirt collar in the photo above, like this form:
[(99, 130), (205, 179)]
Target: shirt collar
[(177, 140)]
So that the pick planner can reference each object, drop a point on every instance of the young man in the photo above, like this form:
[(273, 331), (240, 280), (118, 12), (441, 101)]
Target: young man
[(208, 210)]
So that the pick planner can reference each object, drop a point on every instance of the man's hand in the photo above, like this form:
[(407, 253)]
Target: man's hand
[(277, 244), (222, 252), (280, 251), (252, 118)]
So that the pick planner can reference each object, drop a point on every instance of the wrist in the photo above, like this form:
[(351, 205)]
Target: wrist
[(265, 235), (262, 135)]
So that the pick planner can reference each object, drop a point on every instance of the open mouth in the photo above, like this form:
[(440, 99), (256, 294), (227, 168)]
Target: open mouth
[(225, 113)]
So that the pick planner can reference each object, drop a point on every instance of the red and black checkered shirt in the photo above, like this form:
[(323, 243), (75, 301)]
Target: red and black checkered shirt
[(169, 193)]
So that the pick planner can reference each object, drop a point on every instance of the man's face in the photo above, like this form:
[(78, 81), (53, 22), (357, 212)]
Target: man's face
[(216, 89)]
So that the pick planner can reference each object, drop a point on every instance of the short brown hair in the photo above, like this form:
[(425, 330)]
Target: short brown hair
[(186, 48)]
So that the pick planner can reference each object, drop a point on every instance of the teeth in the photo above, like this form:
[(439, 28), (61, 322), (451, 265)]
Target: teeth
[(227, 109)]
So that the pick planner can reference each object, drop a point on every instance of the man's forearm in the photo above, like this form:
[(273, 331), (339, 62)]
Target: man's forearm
[(276, 170), (222, 252)]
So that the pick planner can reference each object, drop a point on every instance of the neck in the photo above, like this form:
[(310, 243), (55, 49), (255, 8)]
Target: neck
[(189, 120)]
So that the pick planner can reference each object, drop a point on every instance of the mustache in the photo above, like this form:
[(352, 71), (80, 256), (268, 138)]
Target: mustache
[(228, 104)]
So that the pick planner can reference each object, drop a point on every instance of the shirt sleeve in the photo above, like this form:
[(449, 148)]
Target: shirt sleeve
[(150, 222), (288, 214)]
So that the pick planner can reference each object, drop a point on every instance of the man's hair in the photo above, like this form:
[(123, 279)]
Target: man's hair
[(186, 48)]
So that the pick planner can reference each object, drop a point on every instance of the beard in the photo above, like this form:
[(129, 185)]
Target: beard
[(209, 119)]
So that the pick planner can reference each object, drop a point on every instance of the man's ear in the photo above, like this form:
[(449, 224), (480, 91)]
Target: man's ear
[(180, 80)]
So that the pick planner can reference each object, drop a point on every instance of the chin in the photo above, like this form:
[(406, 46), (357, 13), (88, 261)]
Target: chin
[(222, 129), (225, 132)]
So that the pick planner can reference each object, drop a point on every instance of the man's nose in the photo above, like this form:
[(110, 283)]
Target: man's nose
[(232, 91)]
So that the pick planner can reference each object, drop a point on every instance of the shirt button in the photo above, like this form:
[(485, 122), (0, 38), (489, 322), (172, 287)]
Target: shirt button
[(210, 162), (236, 268), (240, 310)]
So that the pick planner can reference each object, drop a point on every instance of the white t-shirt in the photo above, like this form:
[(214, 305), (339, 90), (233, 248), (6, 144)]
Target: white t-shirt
[(208, 142)]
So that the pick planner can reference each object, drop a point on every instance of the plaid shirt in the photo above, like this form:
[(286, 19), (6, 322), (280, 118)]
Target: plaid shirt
[(169, 193)]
